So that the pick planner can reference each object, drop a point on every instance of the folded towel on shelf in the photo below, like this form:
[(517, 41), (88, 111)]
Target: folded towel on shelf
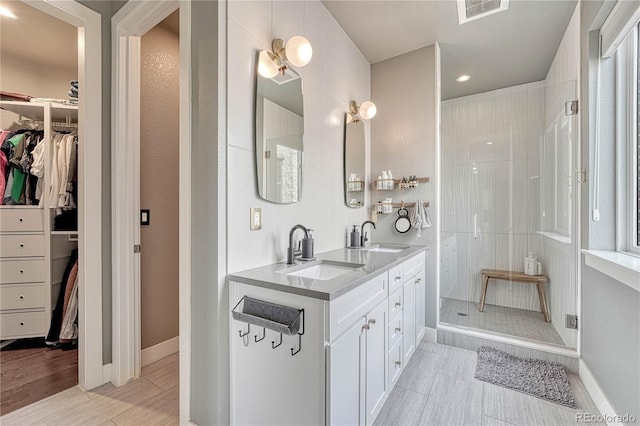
[(420, 218)]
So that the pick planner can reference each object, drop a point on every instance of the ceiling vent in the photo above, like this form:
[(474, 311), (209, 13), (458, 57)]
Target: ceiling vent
[(470, 10)]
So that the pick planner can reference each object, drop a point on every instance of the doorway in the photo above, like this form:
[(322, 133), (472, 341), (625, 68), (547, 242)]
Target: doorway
[(39, 284)]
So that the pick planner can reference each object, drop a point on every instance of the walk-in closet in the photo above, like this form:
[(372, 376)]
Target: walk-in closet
[(38, 211)]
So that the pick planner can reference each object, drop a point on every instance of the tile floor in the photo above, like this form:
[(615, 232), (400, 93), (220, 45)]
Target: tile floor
[(500, 319), (438, 388)]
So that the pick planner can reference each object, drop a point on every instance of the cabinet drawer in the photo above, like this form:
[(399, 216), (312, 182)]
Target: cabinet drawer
[(21, 245), (395, 364), (21, 271), (21, 220), (353, 305), (22, 296), (395, 278), (412, 266), (22, 324), (395, 303), (395, 330)]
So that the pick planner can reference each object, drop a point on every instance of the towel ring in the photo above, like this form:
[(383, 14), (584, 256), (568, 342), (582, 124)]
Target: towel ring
[(403, 224)]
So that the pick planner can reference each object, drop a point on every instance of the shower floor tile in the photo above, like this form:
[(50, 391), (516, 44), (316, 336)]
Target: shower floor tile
[(500, 319)]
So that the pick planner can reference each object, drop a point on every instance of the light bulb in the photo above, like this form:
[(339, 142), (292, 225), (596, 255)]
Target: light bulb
[(299, 51), (367, 110), (266, 66)]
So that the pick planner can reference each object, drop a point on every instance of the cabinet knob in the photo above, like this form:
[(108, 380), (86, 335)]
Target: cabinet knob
[(21, 245), (20, 220), (398, 363), (372, 321), (366, 327), (21, 271), (398, 330), (21, 297), (418, 280), (398, 304), (21, 323)]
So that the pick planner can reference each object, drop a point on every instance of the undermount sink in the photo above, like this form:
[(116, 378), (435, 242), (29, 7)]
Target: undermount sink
[(381, 248), (322, 270)]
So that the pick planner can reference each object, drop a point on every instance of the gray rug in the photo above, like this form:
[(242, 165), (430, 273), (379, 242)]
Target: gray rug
[(543, 379)]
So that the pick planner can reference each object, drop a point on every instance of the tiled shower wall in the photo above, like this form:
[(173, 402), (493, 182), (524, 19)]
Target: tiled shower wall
[(491, 145), (337, 74)]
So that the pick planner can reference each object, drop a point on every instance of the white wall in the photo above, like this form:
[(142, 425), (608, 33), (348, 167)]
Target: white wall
[(337, 74), (490, 166), (406, 90)]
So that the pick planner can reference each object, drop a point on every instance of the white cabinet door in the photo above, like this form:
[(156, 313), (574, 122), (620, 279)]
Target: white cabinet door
[(409, 320), (345, 385), (376, 375), (420, 306)]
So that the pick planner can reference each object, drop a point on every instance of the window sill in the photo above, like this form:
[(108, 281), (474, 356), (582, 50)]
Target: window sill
[(619, 266)]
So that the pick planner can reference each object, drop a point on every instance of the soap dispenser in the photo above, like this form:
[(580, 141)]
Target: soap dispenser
[(307, 247), (355, 237), (531, 264)]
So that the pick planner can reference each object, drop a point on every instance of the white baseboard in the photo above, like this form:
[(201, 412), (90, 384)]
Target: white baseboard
[(598, 396), (430, 335), (106, 373), (159, 351)]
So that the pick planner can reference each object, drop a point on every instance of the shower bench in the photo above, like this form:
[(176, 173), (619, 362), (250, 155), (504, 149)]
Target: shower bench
[(497, 274)]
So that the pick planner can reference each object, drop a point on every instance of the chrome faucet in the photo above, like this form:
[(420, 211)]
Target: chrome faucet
[(363, 235), (291, 252)]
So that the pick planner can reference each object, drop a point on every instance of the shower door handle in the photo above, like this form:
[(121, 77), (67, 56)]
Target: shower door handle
[(475, 226)]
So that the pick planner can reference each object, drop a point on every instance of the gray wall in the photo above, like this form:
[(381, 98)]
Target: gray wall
[(610, 324), (406, 90), (106, 9), (611, 338)]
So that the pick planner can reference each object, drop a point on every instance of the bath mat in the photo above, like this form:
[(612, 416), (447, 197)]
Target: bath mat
[(543, 379)]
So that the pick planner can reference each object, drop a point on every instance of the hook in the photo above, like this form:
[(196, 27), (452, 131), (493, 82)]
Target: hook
[(248, 330), (264, 333), (293, 351), (273, 342), (402, 204)]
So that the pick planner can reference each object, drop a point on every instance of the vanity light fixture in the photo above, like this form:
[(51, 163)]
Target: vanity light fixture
[(367, 110), (7, 13), (463, 78), (297, 52)]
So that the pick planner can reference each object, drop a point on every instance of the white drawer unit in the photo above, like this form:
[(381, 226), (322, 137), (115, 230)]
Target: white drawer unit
[(22, 296), (21, 271), (22, 324), (28, 219), (24, 245)]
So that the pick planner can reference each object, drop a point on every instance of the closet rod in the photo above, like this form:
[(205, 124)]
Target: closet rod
[(69, 124)]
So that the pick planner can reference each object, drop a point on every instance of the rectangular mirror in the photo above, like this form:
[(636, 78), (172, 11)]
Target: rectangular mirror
[(354, 163), (279, 141)]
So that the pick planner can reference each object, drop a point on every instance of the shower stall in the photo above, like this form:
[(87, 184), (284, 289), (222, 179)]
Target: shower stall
[(508, 190)]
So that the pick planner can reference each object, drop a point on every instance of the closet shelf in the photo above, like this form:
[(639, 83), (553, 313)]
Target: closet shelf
[(35, 110)]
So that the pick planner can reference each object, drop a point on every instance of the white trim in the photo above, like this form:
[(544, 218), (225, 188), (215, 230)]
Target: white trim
[(106, 373), (132, 21), (430, 335), (623, 17), (439, 105), (89, 185), (493, 93), (563, 239), (596, 393), (622, 267), (159, 351), (516, 341), (184, 238)]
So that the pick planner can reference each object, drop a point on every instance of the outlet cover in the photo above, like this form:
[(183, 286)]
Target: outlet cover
[(256, 219)]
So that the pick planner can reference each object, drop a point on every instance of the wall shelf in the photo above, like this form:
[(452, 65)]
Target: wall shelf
[(396, 183)]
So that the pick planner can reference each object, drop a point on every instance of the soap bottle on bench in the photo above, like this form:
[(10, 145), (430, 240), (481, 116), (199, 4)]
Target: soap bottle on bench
[(530, 264)]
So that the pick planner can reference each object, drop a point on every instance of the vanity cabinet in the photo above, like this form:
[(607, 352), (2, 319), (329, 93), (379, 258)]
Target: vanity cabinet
[(352, 351)]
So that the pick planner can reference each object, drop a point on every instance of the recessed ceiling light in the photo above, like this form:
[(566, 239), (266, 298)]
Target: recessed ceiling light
[(7, 13), (489, 143), (463, 78)]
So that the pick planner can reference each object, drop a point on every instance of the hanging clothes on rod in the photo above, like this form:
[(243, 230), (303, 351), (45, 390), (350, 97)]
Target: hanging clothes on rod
[(64, 160), (69, 280), (20, 185)]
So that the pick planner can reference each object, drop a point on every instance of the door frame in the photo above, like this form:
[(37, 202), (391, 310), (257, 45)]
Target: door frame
[(88, 22)]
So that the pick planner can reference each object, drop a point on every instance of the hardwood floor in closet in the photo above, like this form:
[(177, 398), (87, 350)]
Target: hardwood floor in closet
[(29, 372)]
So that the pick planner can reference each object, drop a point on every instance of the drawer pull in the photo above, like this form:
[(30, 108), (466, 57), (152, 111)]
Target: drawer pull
[(398, 304), (21, 297), (21, 271), (398, 278), (21, 323), (398, 363), (418, 280), (20, 220), (366, 327), (21, 245), (398, 330), (372, 321)]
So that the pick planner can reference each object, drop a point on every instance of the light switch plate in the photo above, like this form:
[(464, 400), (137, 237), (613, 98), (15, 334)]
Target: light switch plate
[(256, 219)]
